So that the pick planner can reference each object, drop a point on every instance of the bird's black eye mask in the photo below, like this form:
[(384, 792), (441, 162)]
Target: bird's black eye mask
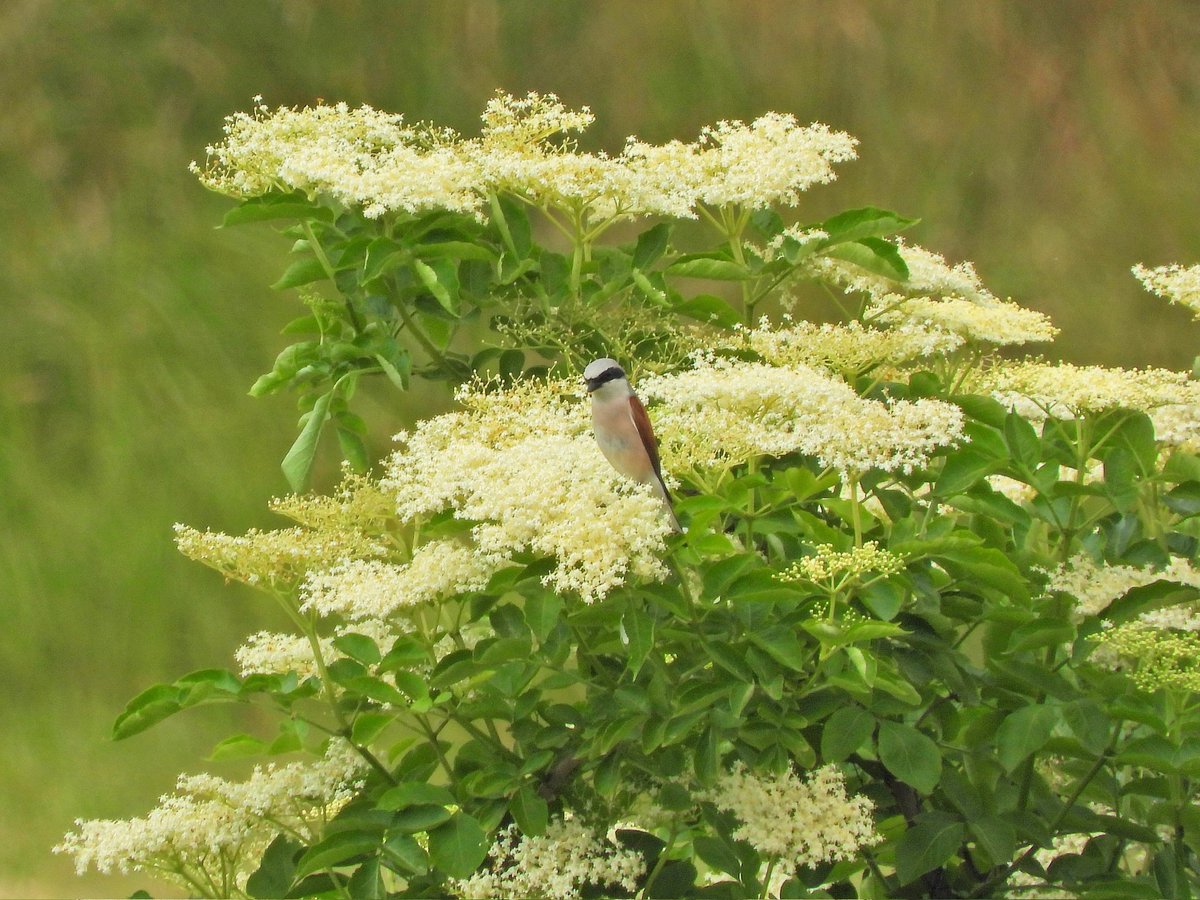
[(605, 377)]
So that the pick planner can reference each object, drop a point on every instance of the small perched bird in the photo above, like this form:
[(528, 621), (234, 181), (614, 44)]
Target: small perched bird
[(623, 429)]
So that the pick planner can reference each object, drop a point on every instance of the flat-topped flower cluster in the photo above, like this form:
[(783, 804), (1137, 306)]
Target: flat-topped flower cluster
[(374, 159)]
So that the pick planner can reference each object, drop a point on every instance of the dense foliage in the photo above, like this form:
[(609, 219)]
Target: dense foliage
[(929, 630)]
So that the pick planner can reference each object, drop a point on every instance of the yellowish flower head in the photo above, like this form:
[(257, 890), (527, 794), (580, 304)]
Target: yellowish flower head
[(999, 323), (1062, 390), (1174, 283)]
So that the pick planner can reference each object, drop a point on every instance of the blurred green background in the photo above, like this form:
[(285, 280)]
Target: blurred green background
[(1052, 144)]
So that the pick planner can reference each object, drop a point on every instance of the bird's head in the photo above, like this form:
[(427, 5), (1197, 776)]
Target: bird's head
[(600, 372)]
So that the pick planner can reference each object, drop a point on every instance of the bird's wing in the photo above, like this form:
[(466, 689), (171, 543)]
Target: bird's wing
[(641, 421)]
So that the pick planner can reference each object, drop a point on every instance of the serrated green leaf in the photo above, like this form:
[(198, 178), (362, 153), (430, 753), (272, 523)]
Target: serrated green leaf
[(529, 811), (1024, 732), (844, 732), (301, 272), (458, 847), (396, 374), (910, 755), (358, 646), (148, 708), (651, 244), (927, 845), (441, 281), (272, 207), (335, 850), (276, 870), (872, 254), (868, 221), (637, 634), (714, 269), (709, 308), (782, 645), (238, 746), (297, 465)]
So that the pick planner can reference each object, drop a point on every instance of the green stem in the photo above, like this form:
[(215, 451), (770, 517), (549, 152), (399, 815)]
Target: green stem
[(420, 336), (327, 268), (661, 862)]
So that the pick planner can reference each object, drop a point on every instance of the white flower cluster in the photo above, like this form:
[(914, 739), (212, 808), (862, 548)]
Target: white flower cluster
[(1174, 283), (1064, 391), (798, 823), (211, 832), (847, 348), (1094, 586), (374, 589), (523, 466), (999, 322), (724, 412), (372, 159), (568, 857)]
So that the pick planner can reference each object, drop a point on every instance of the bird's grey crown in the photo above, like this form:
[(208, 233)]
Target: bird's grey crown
[(600, 372)]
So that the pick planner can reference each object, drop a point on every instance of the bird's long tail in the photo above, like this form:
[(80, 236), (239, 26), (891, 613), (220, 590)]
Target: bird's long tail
[(667, 504)]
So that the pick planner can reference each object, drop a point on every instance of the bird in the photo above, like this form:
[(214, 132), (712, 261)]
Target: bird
[(623, 429)]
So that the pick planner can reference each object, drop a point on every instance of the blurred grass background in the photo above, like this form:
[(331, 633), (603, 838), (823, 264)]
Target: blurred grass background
[(1052, 144)]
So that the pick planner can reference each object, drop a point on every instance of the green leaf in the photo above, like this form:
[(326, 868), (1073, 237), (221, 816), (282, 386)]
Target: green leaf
[(910, 755), (354, 450), (415, 793), (844, 732), (358, 646), (928, 844), (148, 708), (238, 746), (868, 221), (542, 610), (335, 850), (874, 255), (369, 726), (529, 811), (396, 374), (1022, 440), (297, 465), (637, 634), (458, 847), (714, 269), (274, 206), (709, 308), (302, 271), (651, 244), (1024, 732), (408, 855), (996, 836), (962, 469), (441, 280), (717, 855), (276, 870), (782, 645), (420, 817)]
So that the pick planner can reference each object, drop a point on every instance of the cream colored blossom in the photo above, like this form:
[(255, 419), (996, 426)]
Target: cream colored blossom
[(560, 863), (1062, 390), (530, 120), (1095, 585), (850, 348), (274, 558), (1174, 283), (1016, 491), (375, 589), (523, 466), (1178, 425), (800, 824), (358, 504), (999, 323), (724, 412), (271, 653), (355, 156), (211, 832)]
